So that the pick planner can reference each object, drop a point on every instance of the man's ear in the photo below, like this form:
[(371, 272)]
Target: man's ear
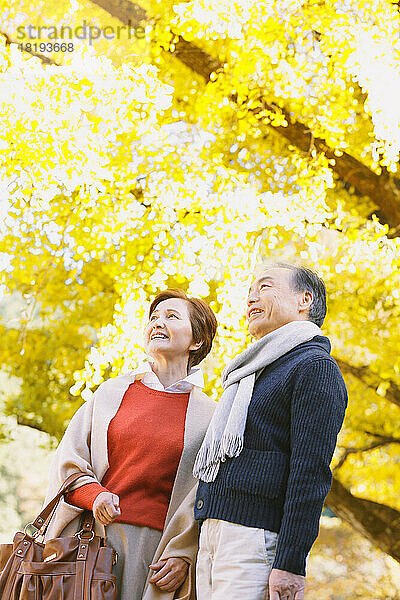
[(306, 299)]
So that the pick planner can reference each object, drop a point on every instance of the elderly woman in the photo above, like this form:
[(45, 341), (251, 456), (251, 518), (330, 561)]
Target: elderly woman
[(135, 441)]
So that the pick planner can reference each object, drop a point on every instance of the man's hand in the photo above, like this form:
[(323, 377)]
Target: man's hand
[(170, 574), (106, 508), (286, 586)]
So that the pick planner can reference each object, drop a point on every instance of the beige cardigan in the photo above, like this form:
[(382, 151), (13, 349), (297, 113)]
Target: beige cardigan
[(84, 448)]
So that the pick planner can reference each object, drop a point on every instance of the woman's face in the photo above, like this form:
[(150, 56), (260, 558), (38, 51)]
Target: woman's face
[(168, 333)]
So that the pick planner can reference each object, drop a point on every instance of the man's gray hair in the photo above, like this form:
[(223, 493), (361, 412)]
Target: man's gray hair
[(304, 279)]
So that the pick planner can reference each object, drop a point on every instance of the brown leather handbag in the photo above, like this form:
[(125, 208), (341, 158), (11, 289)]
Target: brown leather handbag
[(65, 568)]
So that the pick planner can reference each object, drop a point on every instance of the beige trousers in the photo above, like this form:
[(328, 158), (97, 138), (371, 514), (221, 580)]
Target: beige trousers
[(234, 561), (135, 547)]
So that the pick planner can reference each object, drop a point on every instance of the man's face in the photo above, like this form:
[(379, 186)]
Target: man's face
[(272, 303)]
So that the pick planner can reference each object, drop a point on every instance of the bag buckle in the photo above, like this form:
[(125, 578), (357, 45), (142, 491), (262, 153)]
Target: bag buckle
[(80, 535), (34, 534)]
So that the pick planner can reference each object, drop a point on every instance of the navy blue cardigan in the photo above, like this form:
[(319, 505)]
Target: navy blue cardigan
[(280, 479)]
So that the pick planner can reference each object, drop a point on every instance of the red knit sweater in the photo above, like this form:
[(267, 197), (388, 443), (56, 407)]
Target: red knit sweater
[(145, 443)]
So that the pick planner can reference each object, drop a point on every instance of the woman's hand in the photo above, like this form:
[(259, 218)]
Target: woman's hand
[(170, 574), (106, 508)]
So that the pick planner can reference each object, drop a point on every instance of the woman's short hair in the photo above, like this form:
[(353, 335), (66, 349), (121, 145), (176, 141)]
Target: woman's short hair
[(202, 318)]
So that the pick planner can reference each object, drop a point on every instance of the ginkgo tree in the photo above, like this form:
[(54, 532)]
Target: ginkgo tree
[(234, 133)]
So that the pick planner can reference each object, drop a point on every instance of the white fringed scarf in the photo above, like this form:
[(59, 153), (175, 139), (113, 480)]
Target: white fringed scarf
[(224, 437)]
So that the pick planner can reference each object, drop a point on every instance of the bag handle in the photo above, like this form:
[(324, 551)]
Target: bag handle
[(46, 513)]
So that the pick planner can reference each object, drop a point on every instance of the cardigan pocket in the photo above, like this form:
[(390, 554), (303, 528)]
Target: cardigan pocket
[(258, 472)]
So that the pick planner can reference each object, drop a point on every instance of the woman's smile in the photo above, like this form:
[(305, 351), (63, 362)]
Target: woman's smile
[(158, 335)]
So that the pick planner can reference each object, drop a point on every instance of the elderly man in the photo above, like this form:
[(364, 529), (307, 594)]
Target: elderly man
[(264, 463)]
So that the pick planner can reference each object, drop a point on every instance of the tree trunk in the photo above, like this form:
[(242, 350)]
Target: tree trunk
[(383, 190), (379, 523)]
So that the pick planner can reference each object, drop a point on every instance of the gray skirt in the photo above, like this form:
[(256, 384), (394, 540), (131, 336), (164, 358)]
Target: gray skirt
[(135, 547)]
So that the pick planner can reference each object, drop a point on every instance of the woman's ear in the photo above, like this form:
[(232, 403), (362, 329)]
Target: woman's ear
[(196, 345)]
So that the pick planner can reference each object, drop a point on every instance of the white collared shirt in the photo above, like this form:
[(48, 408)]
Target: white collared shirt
[(145, 373)]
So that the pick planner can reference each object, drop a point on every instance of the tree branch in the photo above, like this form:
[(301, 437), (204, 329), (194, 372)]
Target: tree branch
[(377, 522), (45, 59), (129, 13), (371, 380), (383, 190), (31, 424), (132, 15), (387, 439), (384, 441)]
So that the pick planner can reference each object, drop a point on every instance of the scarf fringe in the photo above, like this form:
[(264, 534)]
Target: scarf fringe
[(208, 459), (231, 445)]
